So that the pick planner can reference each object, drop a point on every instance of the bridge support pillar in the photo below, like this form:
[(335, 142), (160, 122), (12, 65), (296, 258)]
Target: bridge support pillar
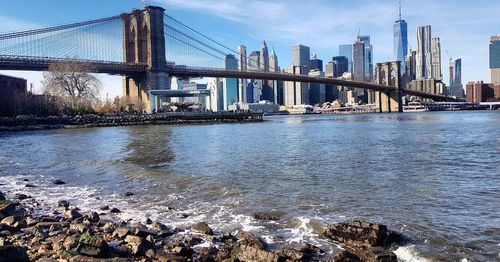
[(144, 42), (389, 74)]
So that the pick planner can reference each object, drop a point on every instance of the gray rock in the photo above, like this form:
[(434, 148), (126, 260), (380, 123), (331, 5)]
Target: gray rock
[(202, 228), (21, 196), (63, 203), (137, 245), (121, 232), (268, 216), (58, 182), (249, 253), (71, 215), (249, 239), (115, 210)]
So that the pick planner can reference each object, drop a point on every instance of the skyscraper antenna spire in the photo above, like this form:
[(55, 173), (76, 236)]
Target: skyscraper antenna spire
[(399, 10)]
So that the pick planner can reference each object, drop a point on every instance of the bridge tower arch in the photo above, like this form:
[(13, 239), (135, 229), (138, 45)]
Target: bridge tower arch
[(144, 42), (389, 74)]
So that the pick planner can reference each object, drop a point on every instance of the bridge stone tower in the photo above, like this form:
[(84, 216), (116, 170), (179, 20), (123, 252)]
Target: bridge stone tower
[(389, 74), (144, 42)]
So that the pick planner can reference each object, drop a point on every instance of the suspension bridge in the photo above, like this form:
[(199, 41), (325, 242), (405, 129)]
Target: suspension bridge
[(147, 47)]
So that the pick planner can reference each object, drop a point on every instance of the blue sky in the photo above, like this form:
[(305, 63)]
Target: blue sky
[(464, 26)]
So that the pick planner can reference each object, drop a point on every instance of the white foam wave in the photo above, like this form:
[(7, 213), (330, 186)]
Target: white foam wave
[(409, 254)]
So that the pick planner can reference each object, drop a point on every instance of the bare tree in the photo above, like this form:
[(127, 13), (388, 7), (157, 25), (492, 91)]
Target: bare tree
[(73, 81)]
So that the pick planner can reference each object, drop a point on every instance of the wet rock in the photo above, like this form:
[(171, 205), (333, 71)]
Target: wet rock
[(78, 228), (108, 227), (58, 182), (71, 215), (172, 258), (150, 253), (47, 260), (268, 216), (2, 196), (14, 221), (121, 232), (202, 228), (115, 210), (92, 217), (89, 259), (70, 242), (63, 203), (92, 246), (104, 208), (31, 221), (21, 196), (143, 232), (137, 245), (182, 250), (346, 256), (358, 233), (249, 239), (129, 194), (249, 253), (30, 185), (7, 208), (5, 233), (363, 239), (13, 253), (374, 254), (49, 219)]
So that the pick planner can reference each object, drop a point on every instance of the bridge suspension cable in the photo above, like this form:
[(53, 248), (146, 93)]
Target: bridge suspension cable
[(199, 42), (99, 39)]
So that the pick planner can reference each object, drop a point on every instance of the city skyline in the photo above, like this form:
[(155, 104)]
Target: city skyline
[(457, 34)]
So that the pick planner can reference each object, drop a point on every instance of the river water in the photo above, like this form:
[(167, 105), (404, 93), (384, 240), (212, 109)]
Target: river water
[(435, 177)]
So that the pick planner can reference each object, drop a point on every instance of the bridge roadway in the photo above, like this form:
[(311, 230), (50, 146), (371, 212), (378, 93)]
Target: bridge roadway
[(26, 63)]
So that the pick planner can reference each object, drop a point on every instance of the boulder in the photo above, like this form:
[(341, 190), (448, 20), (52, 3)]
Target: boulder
[(363, 240), (202, 228), (249, 239), (2, 196), (268, 216), (58, 182), (249, 253), (129, 194), (121, 232), (115, 210), (63, 203), (7, 208), (71, 215), (30, 185), (13, 254), (14, 221), (92, 246), (21, 196), (137, 245), (358, 233)]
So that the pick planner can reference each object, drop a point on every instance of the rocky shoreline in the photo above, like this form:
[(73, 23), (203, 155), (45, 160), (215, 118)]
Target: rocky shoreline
[(24, 123), (70, 234)]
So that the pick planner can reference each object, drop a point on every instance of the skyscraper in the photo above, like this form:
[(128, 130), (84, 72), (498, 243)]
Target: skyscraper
[(368, 58), (424, 56), (230, 85), (216, 99), (495, 59), (264, 57), (315, 63), (255, 85), (358, 65), (301, 56), (400, 39), (316, 91), (411, 66), (242, 65), (341, 65), (267, 93), (274, 67), (295, 93), (346, 50), (457, 89), (436, 59)]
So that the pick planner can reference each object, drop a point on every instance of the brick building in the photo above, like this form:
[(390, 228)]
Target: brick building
[(482, 92), (13, 94)]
